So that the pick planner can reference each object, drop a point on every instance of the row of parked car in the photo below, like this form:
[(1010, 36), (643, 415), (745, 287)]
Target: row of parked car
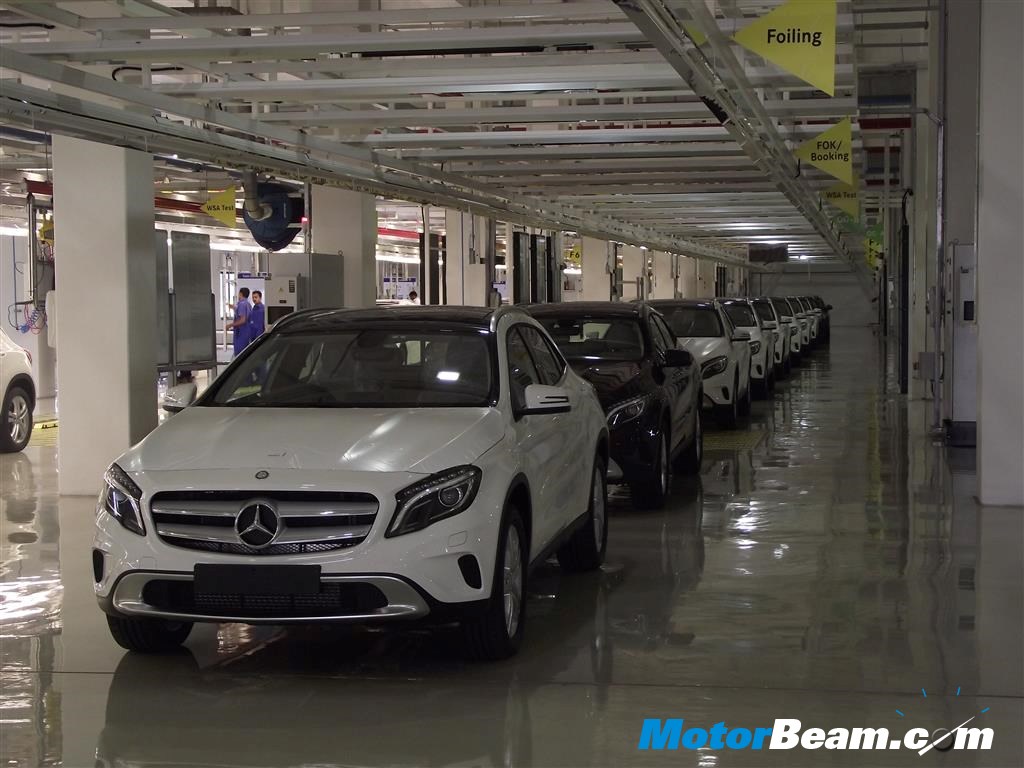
[(418, 462)]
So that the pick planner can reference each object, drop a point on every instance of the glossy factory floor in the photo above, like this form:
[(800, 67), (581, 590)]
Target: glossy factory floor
[(831, 566)]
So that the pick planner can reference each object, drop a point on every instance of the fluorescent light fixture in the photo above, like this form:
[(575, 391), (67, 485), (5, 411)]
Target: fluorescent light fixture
[(14, 231), (573, 271), (398, 259), (447, 375)]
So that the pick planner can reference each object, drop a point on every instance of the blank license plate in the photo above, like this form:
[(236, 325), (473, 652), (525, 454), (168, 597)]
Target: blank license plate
[(256, 579)]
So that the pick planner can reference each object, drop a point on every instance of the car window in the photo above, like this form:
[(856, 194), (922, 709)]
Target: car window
[(764, 310), (693, 321), (547, 363), (521, 370), (666, 335), (357, 368), (596, 338), (741, 315)]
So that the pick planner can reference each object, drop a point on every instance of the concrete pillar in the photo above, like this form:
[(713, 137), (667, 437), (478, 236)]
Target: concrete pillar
[(594, 259), (662, 287), (465, 272), (688, 277), (923, 271), (633, 261), (345, 223), (106, 306), (1000, 265), (960, 194)]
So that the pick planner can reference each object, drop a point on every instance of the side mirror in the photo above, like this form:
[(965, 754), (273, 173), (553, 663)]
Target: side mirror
[(677, 358), (542, 399), (179, 397), (828, 307), (771, 325), (741, 336)]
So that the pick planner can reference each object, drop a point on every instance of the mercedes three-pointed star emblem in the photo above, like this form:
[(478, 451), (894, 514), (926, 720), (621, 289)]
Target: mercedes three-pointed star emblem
[(257, 524)]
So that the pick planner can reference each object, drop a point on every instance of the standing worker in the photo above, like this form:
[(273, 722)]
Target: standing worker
[(240, 325), (258, 317)]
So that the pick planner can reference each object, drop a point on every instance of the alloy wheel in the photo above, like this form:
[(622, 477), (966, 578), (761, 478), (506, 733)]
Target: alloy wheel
[(17, 418), (513, 581)]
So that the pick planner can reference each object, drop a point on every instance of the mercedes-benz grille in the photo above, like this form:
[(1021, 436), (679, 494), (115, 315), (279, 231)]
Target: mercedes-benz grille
[(263, 522)]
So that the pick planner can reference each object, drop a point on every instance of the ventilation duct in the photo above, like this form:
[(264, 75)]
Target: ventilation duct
[(272, 212)]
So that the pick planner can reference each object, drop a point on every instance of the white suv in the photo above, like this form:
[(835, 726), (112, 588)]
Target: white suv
[(762, 343), (704, 330), (19, 395), (359, 465)]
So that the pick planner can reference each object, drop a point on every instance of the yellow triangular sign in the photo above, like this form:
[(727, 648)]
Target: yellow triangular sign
[(222, 207), (800, 37), (832, 151), (845, 197), (698, 37)]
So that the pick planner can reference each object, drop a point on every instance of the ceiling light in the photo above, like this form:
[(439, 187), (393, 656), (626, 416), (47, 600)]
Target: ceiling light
[(14, 231)]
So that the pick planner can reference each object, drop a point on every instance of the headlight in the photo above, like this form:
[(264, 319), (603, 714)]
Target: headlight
[(122, 499), (713, 367), (626, 411), (439, 496), (755, 347)]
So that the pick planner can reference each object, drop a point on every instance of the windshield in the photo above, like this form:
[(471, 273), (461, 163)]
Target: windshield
[(784, 307), (361, 368), (764, 310), (595, 338), (742, 315), (688, 322)]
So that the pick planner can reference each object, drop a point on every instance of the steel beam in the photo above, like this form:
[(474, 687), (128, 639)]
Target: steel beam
[(284, 46), (569, 113)]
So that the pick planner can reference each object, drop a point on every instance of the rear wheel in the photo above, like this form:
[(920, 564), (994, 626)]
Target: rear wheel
[(584, 551), (144, 635), (496, 631), (689, 461), (650, 490), (16, 428)]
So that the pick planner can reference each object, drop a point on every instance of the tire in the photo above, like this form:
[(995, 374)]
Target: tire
[(746, 401), (771, 383), (729, 415), (584, 551), (490, 633), (16, 418), (689, 461), (652, 489), (148, 635)]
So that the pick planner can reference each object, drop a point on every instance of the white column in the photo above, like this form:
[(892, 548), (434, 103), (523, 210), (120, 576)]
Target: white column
[(465, 272), (106, 299), (663, 287), (594, 262), (1000, 264), (345, 223)]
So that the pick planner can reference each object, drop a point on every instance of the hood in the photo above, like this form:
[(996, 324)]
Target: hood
[(354, 439), (613, 381), (703, 348)]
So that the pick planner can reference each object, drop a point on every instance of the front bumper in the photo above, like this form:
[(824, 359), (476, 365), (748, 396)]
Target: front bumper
[(408, 576), (633, 447), (132, 596), (718, 390)]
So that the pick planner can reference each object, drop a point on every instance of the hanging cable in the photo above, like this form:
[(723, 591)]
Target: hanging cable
[(129, 68)]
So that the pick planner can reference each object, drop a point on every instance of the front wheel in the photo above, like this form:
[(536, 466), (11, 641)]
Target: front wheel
[(651, 490), (584, 551), (689, 461), (16, 428), (144, 635), (729, 414), (496, 632), (745, 403)]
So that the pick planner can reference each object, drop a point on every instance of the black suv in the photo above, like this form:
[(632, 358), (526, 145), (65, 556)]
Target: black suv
[(650, 390)]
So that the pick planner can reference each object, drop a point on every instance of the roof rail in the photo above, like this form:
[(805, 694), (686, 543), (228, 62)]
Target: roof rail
[(291, 316)]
